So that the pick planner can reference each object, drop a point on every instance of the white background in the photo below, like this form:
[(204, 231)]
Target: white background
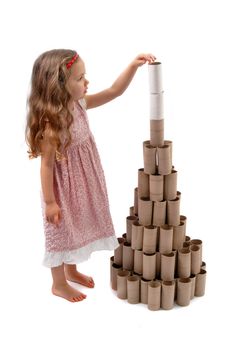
[(192, 39)]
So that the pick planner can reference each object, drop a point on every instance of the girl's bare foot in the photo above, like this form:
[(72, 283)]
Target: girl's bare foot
[(67, 292), (73, 275)]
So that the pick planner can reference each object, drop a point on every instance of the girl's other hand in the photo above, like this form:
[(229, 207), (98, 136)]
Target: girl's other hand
[(143, 58), (53, 213)]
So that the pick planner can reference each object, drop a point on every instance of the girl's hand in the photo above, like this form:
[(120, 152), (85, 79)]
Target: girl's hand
[(53, 213), (143, 58)]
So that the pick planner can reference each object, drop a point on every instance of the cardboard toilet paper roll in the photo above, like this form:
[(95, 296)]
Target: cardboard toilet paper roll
[(156, 184), (167, 294), (122, 284), (150, 239), (167, 266), (138, 261), (155, 77), (133, 289), (200, 283), (183, 218), (197, 242), (118, 252), (159, 213), (154, 295), (129, 222), (149, 266), (158, 264), (137, 235), (157, 106), (144, 290), (127, 257), (156, 132), (195, 259), (168, 142), (173, 212), (170, 185), (203, 265), (164, 160), (111, 263), (145, 209), (193, 283), (165, 239), (136, 198), (143, 184), (184, 263), (131, 211), (149, 159), (183, 291), (178, 235), (115, 270)]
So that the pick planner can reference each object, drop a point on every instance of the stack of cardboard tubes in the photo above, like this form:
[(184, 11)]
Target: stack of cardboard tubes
[(156, 262)]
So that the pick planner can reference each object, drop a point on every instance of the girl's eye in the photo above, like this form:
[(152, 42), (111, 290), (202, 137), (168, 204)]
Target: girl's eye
[(81, 77)]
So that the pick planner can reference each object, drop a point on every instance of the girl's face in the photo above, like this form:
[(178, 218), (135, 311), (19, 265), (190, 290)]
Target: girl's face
[(77, 83)]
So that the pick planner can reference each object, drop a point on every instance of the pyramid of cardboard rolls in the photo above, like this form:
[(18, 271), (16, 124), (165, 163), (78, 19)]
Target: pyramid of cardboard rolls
[(156, 262)]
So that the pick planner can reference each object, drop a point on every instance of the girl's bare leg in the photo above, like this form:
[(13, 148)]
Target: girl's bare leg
[(73, 275), (61, 288)]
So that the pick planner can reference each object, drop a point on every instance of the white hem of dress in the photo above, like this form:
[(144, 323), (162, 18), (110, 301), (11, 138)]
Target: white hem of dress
[(76, 256)]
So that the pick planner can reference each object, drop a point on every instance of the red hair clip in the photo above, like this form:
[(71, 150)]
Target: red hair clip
[(68, 65)]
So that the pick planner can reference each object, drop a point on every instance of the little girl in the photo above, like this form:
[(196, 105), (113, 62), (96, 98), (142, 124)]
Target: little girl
[(75, 207)]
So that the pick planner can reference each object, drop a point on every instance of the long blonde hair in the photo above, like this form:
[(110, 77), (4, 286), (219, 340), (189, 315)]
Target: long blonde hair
[(48, 102)]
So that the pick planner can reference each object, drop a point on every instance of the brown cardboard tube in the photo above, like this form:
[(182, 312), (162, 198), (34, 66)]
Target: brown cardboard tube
[(145, 143), (149, 159), (138, 261), (167, 266), (188, 239), (129, 222), (133, 289), (167, 294), (184, 220), (137, 235), (149, 266), (165, 239), (178, 236), (184, 263), (145, 209), (118, 252), (183, 291), (154, 295), (170, 185), (127, 257), (124, 236), (173, 212), (164, 160), (144, 290), (136, 198), (170, 144), (186, 244), (143, 184), (200, 283), (149, 239), (122, 284), (157, 132), (115, 269), (131, 211), (197, 242), (193, 282), (156, 184), (159, 213), (195, 259)]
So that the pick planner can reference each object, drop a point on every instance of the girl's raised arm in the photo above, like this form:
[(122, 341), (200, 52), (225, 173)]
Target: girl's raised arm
[(120, 84)]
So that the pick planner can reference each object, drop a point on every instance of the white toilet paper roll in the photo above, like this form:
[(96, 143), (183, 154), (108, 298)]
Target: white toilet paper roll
[(155, 77), (157, 106)]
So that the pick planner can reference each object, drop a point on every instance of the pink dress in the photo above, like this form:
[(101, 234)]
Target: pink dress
[(80, 191)]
